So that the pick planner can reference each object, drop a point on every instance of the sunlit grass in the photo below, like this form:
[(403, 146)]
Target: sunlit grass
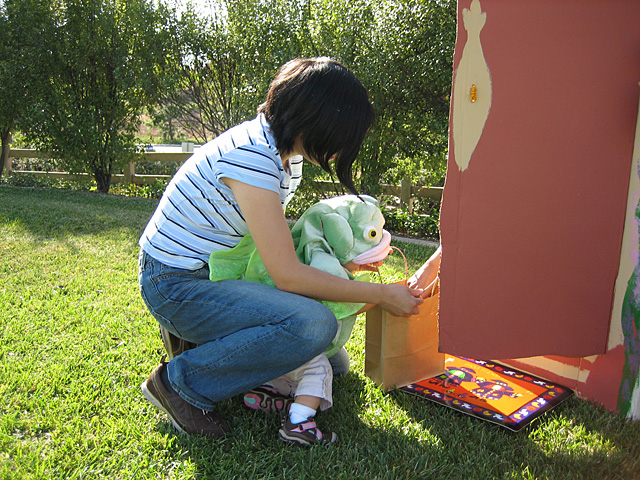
[(76, 342)]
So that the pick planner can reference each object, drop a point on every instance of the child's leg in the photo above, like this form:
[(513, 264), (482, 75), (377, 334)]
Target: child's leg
[(310, 384), (313, 392), (314, 382)]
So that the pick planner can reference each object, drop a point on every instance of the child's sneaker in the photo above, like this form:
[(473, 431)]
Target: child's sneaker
[(268, 399), (305, 433)]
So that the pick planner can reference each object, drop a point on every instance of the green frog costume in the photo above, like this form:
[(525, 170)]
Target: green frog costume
[(328, 235)]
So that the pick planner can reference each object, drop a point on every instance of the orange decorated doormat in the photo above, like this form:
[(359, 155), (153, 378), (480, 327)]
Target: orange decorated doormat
[(490, 391)]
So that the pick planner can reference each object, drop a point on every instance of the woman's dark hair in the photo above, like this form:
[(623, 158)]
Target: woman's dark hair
[(320, 100)]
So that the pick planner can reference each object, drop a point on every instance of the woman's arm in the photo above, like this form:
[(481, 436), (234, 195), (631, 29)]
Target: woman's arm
[(263, 213)]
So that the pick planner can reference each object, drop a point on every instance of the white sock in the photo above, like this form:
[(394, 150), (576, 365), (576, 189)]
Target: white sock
[(299, 413)]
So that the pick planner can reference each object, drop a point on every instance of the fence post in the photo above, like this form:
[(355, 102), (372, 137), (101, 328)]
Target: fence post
[(6, 160), (405, 194), (129, 172)]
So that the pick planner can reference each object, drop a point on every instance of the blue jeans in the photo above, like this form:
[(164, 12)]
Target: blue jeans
[(247, 333)]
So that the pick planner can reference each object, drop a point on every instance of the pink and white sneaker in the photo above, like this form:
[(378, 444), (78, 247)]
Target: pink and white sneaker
[(268, 399), (305, 433)]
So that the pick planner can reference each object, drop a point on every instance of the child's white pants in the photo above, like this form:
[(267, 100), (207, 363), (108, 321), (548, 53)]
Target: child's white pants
[(314, 378)]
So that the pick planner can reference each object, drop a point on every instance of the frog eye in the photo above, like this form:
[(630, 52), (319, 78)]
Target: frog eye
[(370, 233)]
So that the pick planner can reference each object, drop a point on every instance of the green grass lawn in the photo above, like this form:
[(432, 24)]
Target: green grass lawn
[(76, 342)]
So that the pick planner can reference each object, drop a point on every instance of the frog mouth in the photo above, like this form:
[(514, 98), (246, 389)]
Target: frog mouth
[(377, 253)]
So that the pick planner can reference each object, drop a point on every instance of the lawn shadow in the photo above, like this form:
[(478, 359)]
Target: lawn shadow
[(57, 214), (365, 448)]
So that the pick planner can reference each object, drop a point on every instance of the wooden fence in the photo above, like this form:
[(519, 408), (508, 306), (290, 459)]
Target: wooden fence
[(406, 191)]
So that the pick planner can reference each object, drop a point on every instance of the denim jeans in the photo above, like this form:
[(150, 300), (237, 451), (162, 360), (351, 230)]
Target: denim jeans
[(340, 363), (247, 333)]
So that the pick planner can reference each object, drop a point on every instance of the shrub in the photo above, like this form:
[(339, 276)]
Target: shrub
[(403, 222), (154, 190), (32, 181), (25, 180)]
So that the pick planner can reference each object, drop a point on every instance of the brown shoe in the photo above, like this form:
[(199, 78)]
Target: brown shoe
[(174, 345), (184, 416)]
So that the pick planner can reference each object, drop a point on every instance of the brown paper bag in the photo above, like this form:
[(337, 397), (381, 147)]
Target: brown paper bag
[(403, 350)]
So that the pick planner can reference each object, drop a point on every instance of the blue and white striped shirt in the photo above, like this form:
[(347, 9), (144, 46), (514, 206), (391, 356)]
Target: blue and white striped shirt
[(198, 213)]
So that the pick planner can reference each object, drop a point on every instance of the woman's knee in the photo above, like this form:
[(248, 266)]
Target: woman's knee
[(320, 325)]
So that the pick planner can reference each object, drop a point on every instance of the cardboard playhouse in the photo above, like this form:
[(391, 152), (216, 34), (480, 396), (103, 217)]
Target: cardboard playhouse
[(540, 213)]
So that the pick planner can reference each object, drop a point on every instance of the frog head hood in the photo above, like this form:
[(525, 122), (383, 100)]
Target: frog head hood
[(348, 228)]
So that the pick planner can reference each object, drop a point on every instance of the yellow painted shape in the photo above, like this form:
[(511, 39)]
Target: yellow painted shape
[(471, 89)]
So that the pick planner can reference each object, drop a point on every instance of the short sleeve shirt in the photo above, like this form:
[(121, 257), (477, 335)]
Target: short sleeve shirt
[(198, 213)]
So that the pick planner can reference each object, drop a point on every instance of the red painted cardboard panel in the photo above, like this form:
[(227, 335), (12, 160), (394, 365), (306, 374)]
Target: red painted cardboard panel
[(531, 230), (597, 378)]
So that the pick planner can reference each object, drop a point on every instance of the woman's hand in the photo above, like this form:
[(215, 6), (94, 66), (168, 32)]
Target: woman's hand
[(400, 300)]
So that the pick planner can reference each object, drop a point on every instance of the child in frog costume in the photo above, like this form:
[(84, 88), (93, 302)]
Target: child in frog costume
[(338, 236)]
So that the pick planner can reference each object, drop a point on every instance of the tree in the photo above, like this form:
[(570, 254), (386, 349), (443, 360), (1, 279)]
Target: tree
[(415, 41), (21, 23), (7, 108), (226, 62), (207, 95), (402, 50), (102, 63)]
